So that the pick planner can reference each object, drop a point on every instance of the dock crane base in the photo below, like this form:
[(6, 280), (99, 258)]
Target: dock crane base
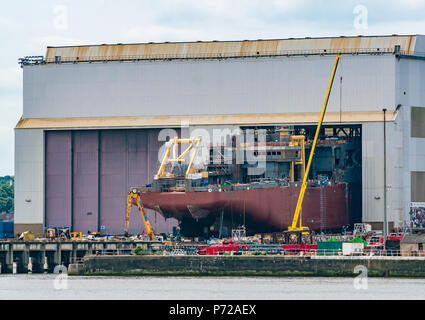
[(297, 237)]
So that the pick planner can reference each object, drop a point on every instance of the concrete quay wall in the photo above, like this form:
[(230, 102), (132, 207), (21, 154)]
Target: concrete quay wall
[(252, 266)]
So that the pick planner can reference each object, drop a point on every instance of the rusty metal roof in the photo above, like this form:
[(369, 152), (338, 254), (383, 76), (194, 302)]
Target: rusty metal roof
[(201, 120), (217, 49)]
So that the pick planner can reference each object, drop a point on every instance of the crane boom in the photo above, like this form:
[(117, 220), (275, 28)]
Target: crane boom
[(134, 195), (298, 208)]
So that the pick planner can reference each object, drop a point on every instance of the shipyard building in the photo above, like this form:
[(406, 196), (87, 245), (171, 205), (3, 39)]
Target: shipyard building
[(92, 117)]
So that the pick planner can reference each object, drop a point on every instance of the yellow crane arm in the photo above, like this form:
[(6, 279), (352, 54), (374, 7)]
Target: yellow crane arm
[(148, 227), (195, 141), (172, 146), (293, 227)]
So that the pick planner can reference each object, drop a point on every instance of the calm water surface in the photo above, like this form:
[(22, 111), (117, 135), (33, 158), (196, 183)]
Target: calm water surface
[(191, 288)]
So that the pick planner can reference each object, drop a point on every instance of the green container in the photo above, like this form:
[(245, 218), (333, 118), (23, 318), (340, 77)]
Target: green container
[(329, 247)]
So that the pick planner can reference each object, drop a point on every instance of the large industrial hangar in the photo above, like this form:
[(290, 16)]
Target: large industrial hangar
[(92, 115)]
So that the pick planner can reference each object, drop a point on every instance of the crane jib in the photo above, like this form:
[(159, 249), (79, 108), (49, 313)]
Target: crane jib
[(298, 209)]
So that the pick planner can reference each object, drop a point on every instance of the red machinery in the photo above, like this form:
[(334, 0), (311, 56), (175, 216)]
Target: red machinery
[(293, 249), (226, 246)]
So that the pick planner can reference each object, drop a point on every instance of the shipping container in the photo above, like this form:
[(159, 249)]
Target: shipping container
[(329, 247), (350, 248), (392, 247), (6, 229)]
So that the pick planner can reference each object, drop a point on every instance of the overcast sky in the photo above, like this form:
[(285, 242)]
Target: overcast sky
[(27, 27)]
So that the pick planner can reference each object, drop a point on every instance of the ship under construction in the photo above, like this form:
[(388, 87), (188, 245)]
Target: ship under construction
[(225, 194)]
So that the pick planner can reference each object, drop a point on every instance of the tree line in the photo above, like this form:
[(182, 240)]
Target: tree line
[(6, 194)]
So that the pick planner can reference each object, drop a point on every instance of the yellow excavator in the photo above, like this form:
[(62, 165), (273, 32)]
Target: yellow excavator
[(296, 230), (134, 195)]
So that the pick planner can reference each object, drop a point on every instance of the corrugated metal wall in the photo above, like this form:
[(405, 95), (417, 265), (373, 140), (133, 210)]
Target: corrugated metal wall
[(29, 178), (101, 178), (58, 179), (210, 87), (85, 180)]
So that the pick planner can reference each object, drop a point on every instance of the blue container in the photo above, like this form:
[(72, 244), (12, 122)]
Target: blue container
[(6, 229)]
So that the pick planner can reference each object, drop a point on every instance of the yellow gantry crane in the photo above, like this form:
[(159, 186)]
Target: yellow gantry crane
[(134, 195), (172, 146), (296, 229)]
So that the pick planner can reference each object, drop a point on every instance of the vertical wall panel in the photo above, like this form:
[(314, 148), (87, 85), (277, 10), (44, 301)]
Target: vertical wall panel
[(417, 122), (29, 178), (85, 181), (113, 181), (418, 186), (58, 178)]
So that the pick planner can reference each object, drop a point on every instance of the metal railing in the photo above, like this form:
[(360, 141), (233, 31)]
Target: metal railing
[(363, 253), (273, 250), (326, 253), (31, 60), (37, 60)]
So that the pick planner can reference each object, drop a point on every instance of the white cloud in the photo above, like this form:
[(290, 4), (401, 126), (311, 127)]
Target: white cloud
[(39, 44), (10, 110), (288, 5), (401, 27), (6, 145), (232, 12), (157, 33), (6, 22), (412, 3), (11, 77)]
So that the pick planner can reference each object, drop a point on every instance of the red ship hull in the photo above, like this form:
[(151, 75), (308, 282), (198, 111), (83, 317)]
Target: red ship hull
[(323, 207)]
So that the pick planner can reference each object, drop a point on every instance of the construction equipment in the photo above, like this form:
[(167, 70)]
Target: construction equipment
[(77, 236), (27, 236), (295, 231), (58, 232), (93, 235), (134, 195), (51, 233)]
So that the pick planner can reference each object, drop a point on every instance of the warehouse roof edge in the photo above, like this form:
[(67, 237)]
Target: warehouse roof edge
[(235, 119), (407, 45)]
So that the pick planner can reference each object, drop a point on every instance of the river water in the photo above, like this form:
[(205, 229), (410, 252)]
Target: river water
[(50, 286)]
